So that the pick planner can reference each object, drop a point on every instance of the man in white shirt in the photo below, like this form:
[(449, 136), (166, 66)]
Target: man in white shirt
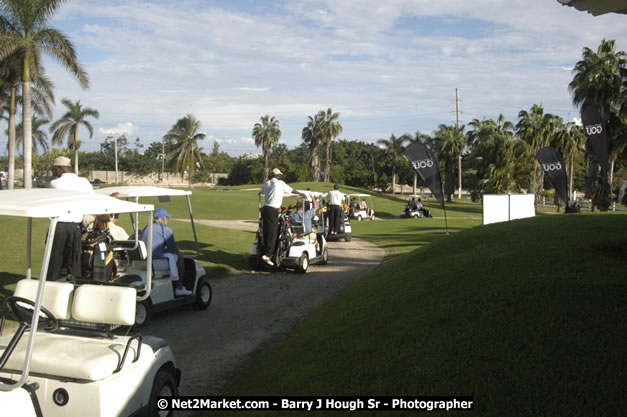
[(273, 190), (66, 247), (334, 202)]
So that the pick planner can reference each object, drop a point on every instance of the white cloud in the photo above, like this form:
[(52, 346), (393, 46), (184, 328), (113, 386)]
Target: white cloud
[(125, 128)]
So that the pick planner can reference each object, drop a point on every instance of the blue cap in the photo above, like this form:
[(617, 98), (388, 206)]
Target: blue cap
[(160, 213)]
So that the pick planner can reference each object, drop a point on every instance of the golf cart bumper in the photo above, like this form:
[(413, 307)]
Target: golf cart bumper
[(87, 380)]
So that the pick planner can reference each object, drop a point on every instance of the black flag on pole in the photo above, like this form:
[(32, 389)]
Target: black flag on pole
[(553, 164), (595, 130), (425, 164)]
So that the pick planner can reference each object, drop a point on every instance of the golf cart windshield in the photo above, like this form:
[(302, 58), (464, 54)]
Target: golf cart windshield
[(135, 192)]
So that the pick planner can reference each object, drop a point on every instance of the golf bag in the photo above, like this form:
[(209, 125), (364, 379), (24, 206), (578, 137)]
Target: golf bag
[(97, 261)]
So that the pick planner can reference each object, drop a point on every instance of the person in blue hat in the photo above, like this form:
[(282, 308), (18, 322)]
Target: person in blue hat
[(164, 246)]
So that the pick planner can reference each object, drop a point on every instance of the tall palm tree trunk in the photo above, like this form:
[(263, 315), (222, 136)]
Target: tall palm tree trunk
[(393, 179), (12, 107), (315, 165), (572, 170), (27, 118), (76, 150), (539, 180), (327, 165), (415, 183), (459, 169)]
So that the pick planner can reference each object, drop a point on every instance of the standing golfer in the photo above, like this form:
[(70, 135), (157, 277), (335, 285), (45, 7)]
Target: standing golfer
[(66, 247), (334, 198), (273, 190)]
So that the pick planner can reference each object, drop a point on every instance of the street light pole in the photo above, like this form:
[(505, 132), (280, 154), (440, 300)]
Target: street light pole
[(115, 147)]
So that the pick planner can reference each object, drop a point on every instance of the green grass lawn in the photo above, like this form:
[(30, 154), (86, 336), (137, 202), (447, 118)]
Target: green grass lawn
[(526, 316)]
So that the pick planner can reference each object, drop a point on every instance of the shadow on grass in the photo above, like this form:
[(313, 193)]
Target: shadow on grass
[(215, 261)]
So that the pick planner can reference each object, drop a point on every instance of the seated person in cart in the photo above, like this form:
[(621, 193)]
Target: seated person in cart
[(305, 217), (164, 245)]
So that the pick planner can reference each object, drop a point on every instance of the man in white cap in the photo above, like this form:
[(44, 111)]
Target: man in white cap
[(66, 247), (273, 190)]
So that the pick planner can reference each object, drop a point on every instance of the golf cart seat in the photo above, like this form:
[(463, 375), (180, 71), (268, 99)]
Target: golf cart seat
[(86, 357), (298, 228), (57, 296), (137, 256)]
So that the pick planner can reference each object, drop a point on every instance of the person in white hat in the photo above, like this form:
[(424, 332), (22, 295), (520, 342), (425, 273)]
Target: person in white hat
[(66, 247), (273, 191)]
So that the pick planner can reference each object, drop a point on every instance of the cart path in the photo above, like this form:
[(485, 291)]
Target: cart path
[(249, 310)]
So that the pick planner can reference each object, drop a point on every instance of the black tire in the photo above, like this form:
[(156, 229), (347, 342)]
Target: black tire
[(325, 256), (142, 314), (348, 237), (359, 217), (303, 263), (203, 294), (164, 385)]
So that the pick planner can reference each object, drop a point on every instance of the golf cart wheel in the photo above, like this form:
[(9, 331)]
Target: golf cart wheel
[(303, 263), (359, 217), (163, 386), (325, 256), (348, 237), (203, 294), (142, 314)]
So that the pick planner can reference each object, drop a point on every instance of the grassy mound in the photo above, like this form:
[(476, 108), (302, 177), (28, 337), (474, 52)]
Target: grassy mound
[(528, 317)]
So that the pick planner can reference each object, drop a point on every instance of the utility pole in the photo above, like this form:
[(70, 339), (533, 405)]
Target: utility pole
[(115, 150), (459, 157), (162, 160)]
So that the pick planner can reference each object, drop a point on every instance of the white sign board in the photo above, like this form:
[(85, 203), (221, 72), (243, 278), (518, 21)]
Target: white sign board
[(506, 207)]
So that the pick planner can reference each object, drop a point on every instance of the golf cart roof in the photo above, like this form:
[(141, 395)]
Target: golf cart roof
[(48, 202), (133, 191), (358, 195)]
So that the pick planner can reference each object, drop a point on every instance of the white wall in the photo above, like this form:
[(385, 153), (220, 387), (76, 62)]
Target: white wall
[(506, 207)]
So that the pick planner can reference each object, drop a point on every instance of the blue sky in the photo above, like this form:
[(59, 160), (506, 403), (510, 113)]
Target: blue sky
[(387, 67)]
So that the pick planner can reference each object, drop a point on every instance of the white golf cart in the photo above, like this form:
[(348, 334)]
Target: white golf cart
[(356, 212), (131, 271), (415, 210), (294, 250), (64, 360)]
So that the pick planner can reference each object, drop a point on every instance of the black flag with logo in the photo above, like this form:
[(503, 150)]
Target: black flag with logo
[(595, 130), (425, 164), (553, 164)]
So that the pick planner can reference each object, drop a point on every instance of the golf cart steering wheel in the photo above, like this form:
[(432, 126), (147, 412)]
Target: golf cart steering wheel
[(23, 308)]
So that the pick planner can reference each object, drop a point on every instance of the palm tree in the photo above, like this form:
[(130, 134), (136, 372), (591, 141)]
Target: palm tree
[(394, 148), (25, 33), (569, 140), (42, 98), (185, 134), (451, 142), (332, 129), (600, 80), (312, 136), (68, 126), (39, 136), (534, 127), (266, 134)]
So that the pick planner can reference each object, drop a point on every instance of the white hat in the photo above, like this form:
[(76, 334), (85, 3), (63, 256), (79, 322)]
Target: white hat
[(277, 171), (62, 161)]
